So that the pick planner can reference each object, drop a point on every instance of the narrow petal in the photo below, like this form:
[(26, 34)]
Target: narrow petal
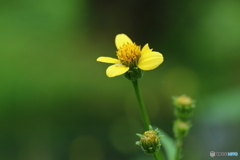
[(150, 60), (121, 39), (145, 49), (108, 60), (116, 70)]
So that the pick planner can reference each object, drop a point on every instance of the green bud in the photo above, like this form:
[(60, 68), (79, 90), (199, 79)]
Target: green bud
[(181, 128), (134, 73), (149, 141), (184, 107)]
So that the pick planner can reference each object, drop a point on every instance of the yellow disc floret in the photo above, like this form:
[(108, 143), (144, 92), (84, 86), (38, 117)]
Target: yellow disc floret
[(129, 54), (150, 142)]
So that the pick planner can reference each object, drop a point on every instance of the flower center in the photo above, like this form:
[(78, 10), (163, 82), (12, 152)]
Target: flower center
[(129, 54)]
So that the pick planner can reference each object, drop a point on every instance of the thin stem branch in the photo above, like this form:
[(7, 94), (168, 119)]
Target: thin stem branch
[(178, 148)]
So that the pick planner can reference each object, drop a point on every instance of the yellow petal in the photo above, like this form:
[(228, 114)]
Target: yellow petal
[(116, 70), (150, 60), (121, 39), (145, 49), (108, 60)]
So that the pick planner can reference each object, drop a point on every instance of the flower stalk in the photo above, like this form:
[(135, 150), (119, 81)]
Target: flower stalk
[(178, 148), (184, 107), (142, 107)]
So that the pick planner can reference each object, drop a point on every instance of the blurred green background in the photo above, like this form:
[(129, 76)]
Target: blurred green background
[(56, 103)]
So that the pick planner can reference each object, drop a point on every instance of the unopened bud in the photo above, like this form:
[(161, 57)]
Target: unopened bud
[(184, 106), (181, 128), (184, 101), (149, 141)]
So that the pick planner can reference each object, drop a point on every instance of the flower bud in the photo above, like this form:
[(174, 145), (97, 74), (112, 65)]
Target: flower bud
[(181, 128), (149, 141), (184, 106)]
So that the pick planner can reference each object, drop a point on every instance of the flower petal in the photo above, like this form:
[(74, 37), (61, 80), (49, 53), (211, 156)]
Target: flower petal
[(121, 39), (108, 60), (145, 49), (116, 70), (150, 60)]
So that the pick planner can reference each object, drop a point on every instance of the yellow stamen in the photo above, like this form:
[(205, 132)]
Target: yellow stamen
[(129, 54)]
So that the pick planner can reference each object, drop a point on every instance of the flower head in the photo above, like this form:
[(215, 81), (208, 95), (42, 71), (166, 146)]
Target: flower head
[(184, 106), (131, 56), (150, 141), (184, 100), (181, 128)]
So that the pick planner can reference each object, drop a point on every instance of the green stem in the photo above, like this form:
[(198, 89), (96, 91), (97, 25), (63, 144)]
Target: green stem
[(146, 121), (158, 156), (178, 148), (142, 107)]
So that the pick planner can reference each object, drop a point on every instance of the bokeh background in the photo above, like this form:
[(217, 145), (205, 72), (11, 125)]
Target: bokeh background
[(56, 103)]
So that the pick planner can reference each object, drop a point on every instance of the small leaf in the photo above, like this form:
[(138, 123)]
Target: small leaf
[(139, 135)]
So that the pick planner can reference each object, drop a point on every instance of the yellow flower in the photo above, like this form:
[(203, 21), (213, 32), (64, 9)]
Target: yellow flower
[(129, 56)]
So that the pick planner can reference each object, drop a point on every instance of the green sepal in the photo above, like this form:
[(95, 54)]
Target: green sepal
[(134, 74)]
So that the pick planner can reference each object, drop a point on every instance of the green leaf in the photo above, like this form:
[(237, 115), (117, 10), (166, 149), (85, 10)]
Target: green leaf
[(168, 144)]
